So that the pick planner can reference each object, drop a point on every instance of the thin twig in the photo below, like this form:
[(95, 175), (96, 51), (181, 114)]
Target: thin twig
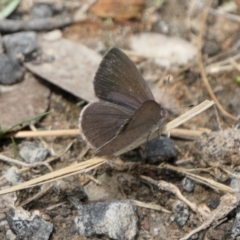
[(227, 204), (234, 64), (163, 185), (206, 181), (220, 69), (224, 62), (34, 129), (44, 189), (58, 155), (201, 67), (45, 24), (17, 162), (48, 160), (150, 206), (81, 167), (229, 16), (186, 134), (44, 133)]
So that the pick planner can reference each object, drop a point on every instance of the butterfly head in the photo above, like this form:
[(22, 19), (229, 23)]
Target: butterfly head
[(163, 112)]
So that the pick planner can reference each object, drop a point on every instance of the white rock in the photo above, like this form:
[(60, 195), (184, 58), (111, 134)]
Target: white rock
[(167, 50)]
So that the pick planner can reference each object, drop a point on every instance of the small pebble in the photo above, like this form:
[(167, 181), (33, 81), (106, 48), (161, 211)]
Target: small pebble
[(33, 152), (29, 226), (160, 149), (10, 70), (21, 46), (210, 48), (213, 203), (13, 175), (235, 232), (41, 10), (52, 36), (117, 220), (188, 184), (181, 213)]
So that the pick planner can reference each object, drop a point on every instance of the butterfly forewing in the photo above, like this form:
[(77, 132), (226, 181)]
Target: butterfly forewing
[(138, 124), (101, 121), (118, 81)]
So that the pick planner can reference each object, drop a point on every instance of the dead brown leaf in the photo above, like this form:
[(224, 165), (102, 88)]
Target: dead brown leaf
[(118, 9)]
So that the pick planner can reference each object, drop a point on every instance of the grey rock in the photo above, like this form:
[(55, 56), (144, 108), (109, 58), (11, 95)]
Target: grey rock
[(10, 235), (13, 175), (33, 152), (41, 11), (235, 232), (29, 226), (160, 149), (181, 213), (213, 203), (10, 70), (210, 48), (22, 45), (117, 220), (188, 184)]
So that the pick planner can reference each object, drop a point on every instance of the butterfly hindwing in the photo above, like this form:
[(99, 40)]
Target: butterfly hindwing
[(101, 121), (138, 124)]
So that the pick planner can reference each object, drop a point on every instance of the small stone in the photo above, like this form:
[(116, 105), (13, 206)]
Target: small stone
[(13, 175), (10, 70), (213, 203), (41, 10), (188, 184), (210, 48), (21, 45), (33, 152), (29, 226), (181, 213), (10, 235), (160, 149), (236, 226), (117, 220), (52, 36)]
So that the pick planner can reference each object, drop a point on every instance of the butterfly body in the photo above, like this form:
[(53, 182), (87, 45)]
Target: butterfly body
[(126, 110)]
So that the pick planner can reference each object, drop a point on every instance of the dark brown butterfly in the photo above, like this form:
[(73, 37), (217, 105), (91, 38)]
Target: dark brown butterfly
[(126, 110)]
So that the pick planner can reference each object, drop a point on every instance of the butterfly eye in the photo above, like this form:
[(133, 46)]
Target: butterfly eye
[(164, 112)]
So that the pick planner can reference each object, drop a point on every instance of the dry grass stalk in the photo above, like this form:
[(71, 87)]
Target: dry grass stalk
[(81, 167)]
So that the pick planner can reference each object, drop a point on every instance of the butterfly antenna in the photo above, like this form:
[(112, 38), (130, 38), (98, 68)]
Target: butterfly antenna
[(189, 106)]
